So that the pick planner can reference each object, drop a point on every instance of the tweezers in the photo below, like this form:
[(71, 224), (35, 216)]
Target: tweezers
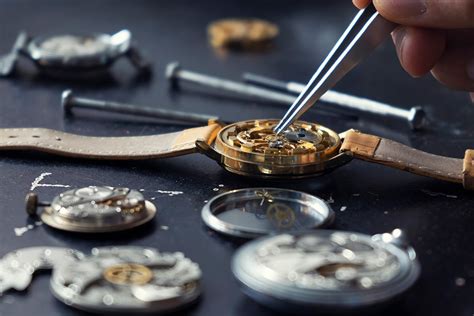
[(367, 30)]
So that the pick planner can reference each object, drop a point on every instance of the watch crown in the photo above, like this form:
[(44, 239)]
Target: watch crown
[(31, 201)]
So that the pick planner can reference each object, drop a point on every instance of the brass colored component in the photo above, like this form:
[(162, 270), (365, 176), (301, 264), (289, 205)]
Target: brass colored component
[(242, 33), (360, 144), (330, 270), (128, 274), (253, 148), (266, 196), (468, 169), (281, 215)]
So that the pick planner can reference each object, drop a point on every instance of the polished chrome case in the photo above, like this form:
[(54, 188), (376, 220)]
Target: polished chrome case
[(326, 271), (72, 56), (255, 212), (128, 280), (78, 52)]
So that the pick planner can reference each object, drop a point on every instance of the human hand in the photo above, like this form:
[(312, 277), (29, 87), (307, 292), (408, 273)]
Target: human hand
[(434, 35)]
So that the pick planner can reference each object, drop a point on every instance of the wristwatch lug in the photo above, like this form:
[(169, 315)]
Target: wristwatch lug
[(8, 61), (204, 148), (136, 59), (121, 41), (343, 134)]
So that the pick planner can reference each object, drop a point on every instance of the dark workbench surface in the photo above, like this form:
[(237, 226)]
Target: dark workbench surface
[(438, 217)]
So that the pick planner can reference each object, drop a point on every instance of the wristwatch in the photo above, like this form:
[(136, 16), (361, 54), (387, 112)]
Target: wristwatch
[(251, 148), (74, 56)]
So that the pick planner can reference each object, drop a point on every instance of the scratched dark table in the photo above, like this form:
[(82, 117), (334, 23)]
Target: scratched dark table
[(437, 216)]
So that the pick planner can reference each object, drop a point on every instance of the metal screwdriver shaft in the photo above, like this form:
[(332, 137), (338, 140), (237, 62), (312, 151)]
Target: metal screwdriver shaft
[(414, 116), (68, 102), (174, 73)]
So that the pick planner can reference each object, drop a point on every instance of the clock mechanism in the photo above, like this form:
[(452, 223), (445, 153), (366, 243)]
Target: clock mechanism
[(253, 148)]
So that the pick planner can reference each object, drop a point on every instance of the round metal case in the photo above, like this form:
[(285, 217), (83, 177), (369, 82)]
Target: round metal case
[(252, 148), (326, 271), (98, 209), (78, 52), (254, 212), (127, 280)]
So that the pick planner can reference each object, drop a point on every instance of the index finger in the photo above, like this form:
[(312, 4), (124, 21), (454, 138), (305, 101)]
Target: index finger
[(361, 3), (428, 13)]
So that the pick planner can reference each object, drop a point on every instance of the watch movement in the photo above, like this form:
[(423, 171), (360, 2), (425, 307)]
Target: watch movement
[(326, 271), (128, 280), (94, 209)]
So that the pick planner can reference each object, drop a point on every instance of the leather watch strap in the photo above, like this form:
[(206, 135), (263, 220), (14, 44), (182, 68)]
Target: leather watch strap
[(468, 170), (110, 148), (387, 152)]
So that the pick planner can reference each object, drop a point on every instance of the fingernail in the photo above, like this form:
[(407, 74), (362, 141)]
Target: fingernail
[(405, 8), (470, 69), (398, 35)]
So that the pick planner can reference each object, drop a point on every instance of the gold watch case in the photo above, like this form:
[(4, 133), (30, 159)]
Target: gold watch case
[(252, 148)]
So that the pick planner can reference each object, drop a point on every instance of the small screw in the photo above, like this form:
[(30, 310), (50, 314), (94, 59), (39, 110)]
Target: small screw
[(68, 102), (32, 204)]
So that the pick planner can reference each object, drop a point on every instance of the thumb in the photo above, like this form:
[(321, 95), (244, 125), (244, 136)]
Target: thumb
[(428, 13)]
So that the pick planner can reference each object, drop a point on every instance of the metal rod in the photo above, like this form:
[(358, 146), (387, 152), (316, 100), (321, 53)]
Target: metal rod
[(415, 116), (176, 74), (68, 102)]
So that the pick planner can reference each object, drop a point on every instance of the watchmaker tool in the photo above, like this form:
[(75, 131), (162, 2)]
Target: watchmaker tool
[(94, 209), (255, 212), (241, 33), (414, 116), (75, 56), (326, 271), (17, 267), (364, 34), (127, 280), (176, 74), (68, 102)]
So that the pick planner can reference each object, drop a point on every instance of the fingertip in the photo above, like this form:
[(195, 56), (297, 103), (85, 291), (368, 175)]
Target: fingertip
[(419, 49), (361, 3)]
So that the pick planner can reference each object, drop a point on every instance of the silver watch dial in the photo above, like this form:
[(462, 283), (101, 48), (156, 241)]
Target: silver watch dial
[(98, 209), (74, 53), (17, 267), (332, 269), (128, 279), (70, 45)]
